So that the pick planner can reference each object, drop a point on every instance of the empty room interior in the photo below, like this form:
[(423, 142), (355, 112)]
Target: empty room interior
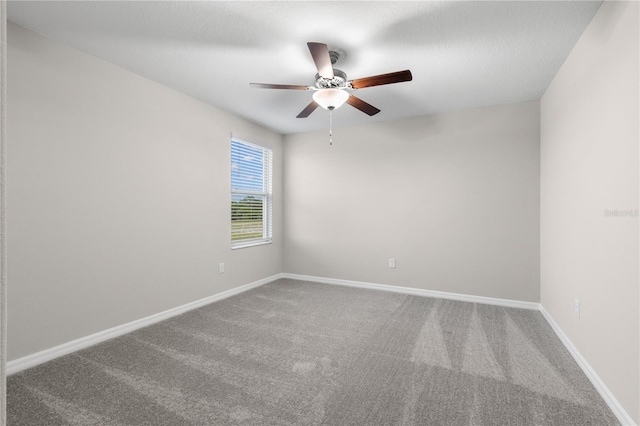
[(320, 213)]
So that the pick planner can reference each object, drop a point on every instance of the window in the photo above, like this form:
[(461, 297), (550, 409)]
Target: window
[(251, 196)]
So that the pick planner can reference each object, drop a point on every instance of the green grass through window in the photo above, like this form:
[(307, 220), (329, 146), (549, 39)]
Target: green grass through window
[(246, 229)]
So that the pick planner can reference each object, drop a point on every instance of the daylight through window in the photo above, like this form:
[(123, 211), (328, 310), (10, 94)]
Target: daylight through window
[(251, 197)]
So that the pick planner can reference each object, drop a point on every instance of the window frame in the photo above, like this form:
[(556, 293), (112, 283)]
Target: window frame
[(266, 194)]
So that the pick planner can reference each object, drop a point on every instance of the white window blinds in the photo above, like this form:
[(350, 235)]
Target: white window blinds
[(251, 194)]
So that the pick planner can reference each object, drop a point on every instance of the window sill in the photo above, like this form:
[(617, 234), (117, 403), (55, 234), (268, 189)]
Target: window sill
[(252, 243)]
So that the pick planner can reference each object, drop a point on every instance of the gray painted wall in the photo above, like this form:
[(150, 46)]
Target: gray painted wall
[(589, 164), (454, 198), (119, 201)]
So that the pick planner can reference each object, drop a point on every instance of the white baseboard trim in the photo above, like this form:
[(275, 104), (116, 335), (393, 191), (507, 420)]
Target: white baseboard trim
[(418, 292), (32, 360), (620, 413)]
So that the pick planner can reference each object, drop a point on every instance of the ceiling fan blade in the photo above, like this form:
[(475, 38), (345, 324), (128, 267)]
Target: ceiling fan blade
[(362, 105), (308, 110), (379, 80), (278, 86), (320, 54)]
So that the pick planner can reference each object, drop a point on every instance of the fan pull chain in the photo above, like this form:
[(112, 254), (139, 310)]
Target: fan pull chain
[(330, 127)]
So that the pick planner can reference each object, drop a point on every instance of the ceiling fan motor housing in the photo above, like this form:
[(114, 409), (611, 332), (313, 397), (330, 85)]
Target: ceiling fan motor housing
[(339, 80)]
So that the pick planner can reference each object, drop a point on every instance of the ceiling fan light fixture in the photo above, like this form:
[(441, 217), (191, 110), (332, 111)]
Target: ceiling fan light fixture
[(330, 99)]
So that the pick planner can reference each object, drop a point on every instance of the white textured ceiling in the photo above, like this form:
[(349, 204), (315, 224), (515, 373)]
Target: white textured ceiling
[(462, 54)]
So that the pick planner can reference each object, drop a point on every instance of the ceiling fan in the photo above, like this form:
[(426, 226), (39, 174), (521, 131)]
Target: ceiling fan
[(331, 87)]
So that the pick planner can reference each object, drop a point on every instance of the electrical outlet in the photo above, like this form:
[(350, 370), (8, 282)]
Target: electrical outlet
[(221, 268), (392, 263), (576, 308)]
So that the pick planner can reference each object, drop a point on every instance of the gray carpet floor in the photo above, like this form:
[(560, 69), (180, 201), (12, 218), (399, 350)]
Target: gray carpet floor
[(299, 353)]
